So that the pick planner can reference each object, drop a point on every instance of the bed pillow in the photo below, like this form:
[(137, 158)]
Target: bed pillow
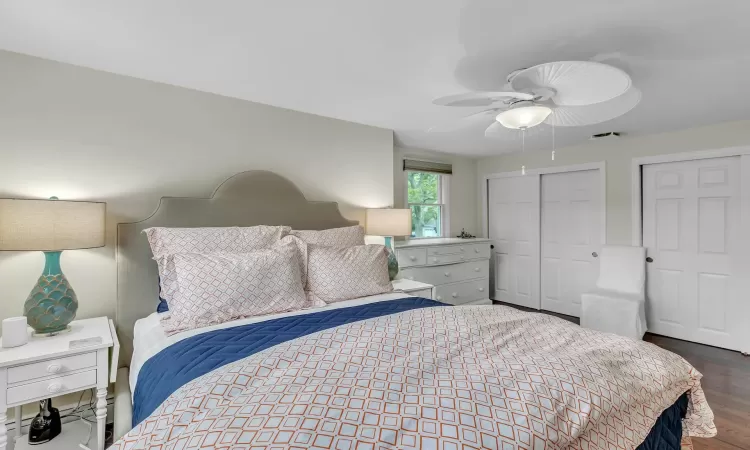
[(168, 241), (338, 274), (218, 287), (333, 237)]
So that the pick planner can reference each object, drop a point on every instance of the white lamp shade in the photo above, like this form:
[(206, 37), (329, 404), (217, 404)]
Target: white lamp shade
[(50, 225), (523, 117), (388, 222)]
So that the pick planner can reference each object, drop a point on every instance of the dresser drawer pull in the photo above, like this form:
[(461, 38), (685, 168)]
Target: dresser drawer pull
[(454, 295), (447, 274), (54, 388), (410, 278), (439, 298), (476, 250), (413, 258), (481, 289), (435, 260), (477, 269), (462, 249), (54, 368), (462, 258)]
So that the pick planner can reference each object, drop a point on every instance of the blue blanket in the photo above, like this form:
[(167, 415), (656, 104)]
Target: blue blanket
[(191, 358)]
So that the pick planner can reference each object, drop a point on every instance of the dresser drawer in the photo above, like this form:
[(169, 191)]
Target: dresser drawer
[(411, 257), (438, 275), (470, 251), (51, 387), (463, 292), (51, 367), (437, 260)]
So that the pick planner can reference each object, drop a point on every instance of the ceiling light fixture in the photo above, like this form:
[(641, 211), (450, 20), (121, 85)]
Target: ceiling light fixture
[(523, 117)]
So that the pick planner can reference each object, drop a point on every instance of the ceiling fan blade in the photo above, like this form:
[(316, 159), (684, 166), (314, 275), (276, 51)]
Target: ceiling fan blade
[(466, 121), (477, 99), (575, 83), (576, 116)]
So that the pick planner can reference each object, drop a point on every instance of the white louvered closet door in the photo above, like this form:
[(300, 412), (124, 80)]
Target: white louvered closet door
[(692, 230)]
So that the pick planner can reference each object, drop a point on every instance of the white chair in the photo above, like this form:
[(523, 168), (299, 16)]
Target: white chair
[(618, 304)]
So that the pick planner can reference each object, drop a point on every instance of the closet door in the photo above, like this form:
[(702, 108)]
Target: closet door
[(692, 231), (571, 238), (513, 213)]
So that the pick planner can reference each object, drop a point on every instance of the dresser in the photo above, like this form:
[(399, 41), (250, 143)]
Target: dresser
[(458, 268)]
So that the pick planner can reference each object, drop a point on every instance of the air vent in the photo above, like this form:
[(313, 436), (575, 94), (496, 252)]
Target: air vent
[(610, 135)]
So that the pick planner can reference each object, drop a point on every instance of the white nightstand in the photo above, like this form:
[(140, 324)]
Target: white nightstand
[(415, 288), (47, 367)]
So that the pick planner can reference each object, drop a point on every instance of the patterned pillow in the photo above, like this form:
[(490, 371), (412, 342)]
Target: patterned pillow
[(337, 274), (219, 287), (333, 237), (169, 241)]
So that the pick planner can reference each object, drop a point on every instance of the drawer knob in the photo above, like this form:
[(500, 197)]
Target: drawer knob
[(411, 278), (476, 269), (462, 258), (439, 298), (462, 249), (53, 368), (413, 258), (447, 274), (476, 250), (54, 387), (435, 260), (454, 295), (481, 289)]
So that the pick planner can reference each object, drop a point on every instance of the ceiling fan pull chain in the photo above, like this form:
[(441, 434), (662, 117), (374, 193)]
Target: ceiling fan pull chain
[(523, 170), (523, 148), (553, 141)]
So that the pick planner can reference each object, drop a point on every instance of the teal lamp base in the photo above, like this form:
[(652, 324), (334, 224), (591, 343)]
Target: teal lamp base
[(392, 260), (52, 304)]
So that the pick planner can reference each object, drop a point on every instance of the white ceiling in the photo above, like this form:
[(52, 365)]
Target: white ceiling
[(381, 62)]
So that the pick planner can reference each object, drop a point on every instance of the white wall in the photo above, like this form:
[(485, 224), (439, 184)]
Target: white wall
[(462, 202), (82, 134), (618, 155)]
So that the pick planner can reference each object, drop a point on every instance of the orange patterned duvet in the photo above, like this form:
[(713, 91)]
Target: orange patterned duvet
[(434, 378)]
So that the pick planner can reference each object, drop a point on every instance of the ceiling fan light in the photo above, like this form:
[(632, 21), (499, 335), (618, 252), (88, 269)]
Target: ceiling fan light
[(523, 117)]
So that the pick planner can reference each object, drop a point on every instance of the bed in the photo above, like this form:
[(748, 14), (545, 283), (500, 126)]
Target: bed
[(388, 371)]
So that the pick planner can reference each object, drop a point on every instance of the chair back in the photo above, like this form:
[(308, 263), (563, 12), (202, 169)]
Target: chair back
[(622, 268)]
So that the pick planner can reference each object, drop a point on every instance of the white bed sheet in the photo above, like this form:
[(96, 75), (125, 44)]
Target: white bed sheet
[(150, 338)]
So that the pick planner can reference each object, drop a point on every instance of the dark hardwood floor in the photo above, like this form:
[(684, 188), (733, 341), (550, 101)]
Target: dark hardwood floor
[(726, 382)]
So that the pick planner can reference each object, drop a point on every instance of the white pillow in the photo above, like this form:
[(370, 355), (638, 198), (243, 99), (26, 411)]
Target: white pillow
[(333, 237), (169, 241), (219, 287), (338, 274)]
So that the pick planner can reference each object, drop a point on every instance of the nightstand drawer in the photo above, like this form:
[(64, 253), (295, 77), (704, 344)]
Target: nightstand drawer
[(51, 367), (51, 387)]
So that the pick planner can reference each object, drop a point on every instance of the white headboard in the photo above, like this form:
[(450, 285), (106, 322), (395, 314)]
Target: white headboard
[(246, 199)]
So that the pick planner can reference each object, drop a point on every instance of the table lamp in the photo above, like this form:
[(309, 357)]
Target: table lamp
[(389, 223), (51, 226)]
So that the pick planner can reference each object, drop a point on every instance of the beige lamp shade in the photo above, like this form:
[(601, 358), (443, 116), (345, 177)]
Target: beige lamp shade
[(388, 222), (50, 225)]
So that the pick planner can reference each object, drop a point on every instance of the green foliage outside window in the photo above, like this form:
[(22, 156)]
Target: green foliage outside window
[(424, 199)]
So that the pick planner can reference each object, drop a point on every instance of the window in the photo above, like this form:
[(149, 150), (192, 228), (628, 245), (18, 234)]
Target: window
[(425, 192)]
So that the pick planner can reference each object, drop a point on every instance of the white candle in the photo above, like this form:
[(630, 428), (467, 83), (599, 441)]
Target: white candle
[(15, 332)]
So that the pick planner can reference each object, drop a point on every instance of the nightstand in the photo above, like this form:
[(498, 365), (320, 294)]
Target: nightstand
[(415, 288), (47, 367)]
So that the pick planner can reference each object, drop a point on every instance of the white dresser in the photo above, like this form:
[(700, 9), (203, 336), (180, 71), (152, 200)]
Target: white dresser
[(458, 268)]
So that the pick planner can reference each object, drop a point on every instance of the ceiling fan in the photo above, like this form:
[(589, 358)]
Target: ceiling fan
[(561, 94)]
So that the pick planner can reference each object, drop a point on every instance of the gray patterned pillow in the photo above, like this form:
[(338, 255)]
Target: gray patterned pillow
[(337, 274), (218, 287), (333, 237), (169, 241)]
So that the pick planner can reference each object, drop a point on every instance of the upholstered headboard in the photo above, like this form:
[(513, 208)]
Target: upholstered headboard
[(246, 199)]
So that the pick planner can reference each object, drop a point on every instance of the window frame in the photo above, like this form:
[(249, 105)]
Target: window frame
[(443, 196)]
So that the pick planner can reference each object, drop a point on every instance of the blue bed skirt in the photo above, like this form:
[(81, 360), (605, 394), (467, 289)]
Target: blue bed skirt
[(191, 358)]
